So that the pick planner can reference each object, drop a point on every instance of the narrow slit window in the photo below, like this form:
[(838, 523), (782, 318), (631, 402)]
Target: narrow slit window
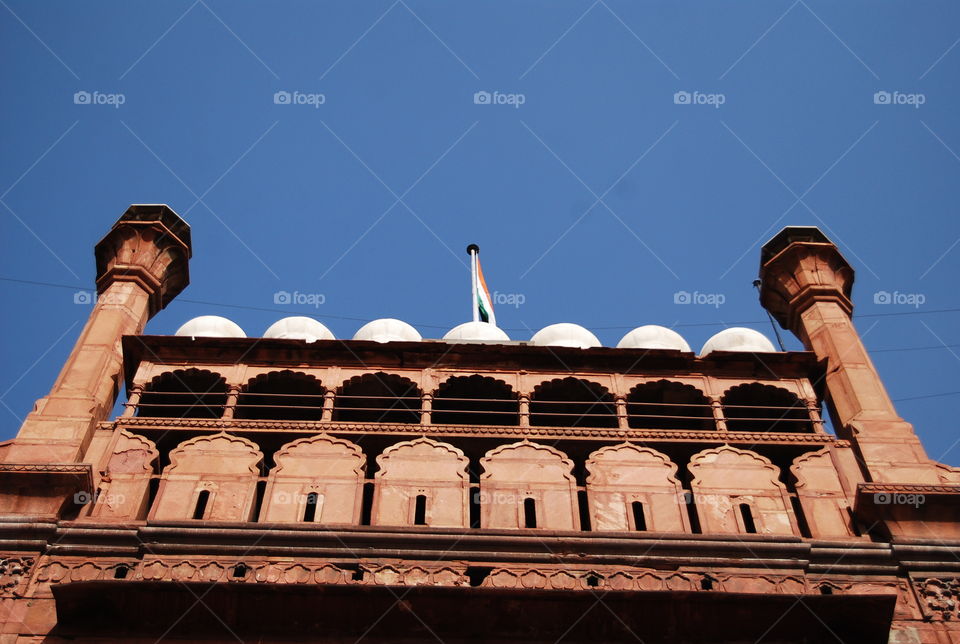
[(420, 510), (747, 515), (201, 508), (529, 513), (639, 521), (310, 510)]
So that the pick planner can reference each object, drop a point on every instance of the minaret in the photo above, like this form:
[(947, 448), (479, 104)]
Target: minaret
[(806, 286), (141, 267)]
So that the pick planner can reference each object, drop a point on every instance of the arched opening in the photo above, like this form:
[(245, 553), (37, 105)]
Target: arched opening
[(746, 514), (639, 520), (572, 402), (763, 408), (529, 513), (475, 400), (185, 393), (310, 509), (200, 508), (668, 405), (420, 510), (281, 395), (378, 398)]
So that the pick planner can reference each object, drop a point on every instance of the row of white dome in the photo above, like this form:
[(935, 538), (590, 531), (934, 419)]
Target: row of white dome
[(650, 336)]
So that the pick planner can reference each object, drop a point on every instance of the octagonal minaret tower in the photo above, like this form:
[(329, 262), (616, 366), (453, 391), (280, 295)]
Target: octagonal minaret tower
[(806, 286), (142, 264)]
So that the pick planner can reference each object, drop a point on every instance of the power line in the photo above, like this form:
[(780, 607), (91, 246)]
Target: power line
[(946, 393), (425, 325)]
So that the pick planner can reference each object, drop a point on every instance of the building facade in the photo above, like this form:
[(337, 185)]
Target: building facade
[(296, 487)]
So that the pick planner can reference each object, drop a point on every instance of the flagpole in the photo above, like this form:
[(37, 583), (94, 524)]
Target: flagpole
[(473, 250)]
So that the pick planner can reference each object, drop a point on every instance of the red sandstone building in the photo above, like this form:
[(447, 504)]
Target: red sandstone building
[(296, 487)]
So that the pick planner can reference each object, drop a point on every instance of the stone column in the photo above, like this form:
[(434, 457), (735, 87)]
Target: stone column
[(806, 286), (141, 267)]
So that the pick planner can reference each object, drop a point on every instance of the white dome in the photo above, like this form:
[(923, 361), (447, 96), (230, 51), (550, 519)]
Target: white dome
[(387, 330), (298, 327), (738, 339), (653, 336), (565, 335), (482, 331), (211, 326)]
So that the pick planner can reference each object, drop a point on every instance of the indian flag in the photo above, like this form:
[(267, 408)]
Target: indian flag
[(482, 302)]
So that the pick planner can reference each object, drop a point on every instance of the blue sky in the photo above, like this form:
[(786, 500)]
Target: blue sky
[(597, 199)]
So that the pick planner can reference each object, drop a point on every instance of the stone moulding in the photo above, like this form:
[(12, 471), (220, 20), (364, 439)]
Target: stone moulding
[(589, 433), (937, 595)]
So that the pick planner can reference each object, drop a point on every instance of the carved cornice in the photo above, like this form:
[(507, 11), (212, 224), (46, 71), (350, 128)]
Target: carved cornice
[(497, 431)]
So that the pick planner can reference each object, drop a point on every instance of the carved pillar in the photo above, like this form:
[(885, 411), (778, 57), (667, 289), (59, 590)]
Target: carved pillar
[(327, 414), (814, 411), (141, 267), (719, 418), (524, 404), (130, 409), (233, 397), (426, 408), (806, 285), (623, 422)]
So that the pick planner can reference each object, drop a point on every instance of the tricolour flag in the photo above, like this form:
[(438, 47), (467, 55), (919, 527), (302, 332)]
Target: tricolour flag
[(482, 302)]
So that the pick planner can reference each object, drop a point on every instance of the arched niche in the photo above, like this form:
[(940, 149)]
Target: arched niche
[(378, 398), (739, 492), (475, 400), (634, 488), (184, 393), (281, 395), (755, 407), (820, 492), (213, 478), (125, 488), (528, 485), (572, 402), (422, 482), (320, 471), (665, 404)]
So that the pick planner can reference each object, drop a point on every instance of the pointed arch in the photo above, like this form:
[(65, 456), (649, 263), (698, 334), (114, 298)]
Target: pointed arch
[(184, 393), (223, 466), (282, 395), (572, 402), (317, 479), (755, 407), (517, 474), (634, 488), (739, 491), (475, 400), (422, 482), (666, 404), (378, 398)]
